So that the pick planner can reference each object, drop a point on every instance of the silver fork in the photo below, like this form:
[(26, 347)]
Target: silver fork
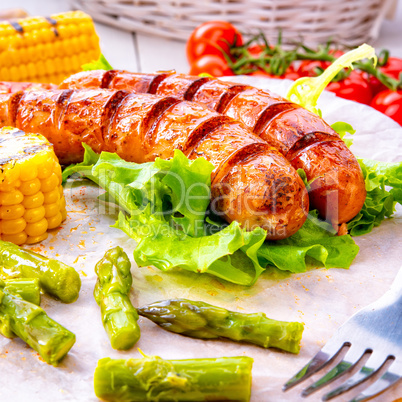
[(376, 329)]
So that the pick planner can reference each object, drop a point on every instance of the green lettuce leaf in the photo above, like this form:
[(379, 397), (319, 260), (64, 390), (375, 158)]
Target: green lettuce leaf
[(100, 64), (164, 208), (315, 239), (380, 201)]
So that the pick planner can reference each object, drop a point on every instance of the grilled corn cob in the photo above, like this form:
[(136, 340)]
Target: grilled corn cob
[(47, 49), (31, 195)]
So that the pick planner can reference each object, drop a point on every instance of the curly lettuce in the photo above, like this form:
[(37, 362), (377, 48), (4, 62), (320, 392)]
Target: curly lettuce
[(164, 208)]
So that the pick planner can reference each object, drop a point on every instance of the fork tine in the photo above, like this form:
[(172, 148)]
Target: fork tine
[(373, 364), (325, 356), (388, 379), (352, 357)]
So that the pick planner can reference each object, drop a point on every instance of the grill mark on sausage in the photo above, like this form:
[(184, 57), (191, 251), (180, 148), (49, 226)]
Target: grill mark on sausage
[(229, 95), (13, 106), (240, 155), (111, 107), (308, 140), (61, 106), (270, 112), (108, 77), (194, 86), (203, 130), (155, 114), (153, 87)]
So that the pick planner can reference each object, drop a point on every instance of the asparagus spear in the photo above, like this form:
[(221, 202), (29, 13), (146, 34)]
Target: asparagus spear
[(55, 277), (31, 323), (27, 289), (111, 293), (201, 320), (154, 379)]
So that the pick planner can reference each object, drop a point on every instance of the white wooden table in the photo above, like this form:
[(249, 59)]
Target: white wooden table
[(146, 53)]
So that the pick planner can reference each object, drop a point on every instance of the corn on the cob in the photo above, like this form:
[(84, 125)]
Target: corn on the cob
[(31, 194), (47, 49)]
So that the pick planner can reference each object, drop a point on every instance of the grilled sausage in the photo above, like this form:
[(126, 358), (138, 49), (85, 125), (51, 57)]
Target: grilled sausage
[(337, 185), (252, 182)]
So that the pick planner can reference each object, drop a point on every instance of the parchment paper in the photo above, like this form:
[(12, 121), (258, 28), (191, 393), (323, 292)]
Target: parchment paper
[(322, 299)]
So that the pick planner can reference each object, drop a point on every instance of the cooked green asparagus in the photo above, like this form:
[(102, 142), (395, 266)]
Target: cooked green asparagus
[(55, 278), (155, 379), (28, 289), (111, 293), (31, 323), (201, 320)]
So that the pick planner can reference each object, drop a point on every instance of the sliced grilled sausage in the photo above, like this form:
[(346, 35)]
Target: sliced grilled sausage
[(337, 185), (252, 182)]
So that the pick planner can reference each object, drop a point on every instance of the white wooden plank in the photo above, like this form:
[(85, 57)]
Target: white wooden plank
[(119, 47), (157, 53)]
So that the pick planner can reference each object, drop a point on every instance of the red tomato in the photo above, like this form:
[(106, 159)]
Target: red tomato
[(210, 64), (213, 37), (390, 103), (308, 68), (256, 50), (290, 74), (354, 87), (393, 68)]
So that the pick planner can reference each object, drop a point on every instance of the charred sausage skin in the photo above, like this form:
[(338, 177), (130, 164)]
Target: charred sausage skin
[(252, 182), (337, 184)]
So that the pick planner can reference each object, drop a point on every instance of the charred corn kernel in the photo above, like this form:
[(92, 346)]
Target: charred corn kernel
[(13, 226), (32, 215), (11, 211), (36, 239), (34, 201), (36, 228), (19, 238), (31, 195), (49, 183), (46, 47), (30, 187)]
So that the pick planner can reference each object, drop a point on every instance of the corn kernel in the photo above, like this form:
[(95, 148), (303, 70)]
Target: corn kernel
[(13, 226), (36, 228), (26, 212), (36, 239), (32, 215), (28, 171), (30, 187), (11, 197), (48, 42), (19, 238), (49, 183), (51, 209), (54, 221), (34, 201), (11, 211), (52, 196)]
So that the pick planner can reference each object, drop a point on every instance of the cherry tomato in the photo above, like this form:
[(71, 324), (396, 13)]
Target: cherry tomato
[(290, 74), (393, 68), (354, 87), (210, 64), (390, 103), (256, 50), (213, 37), (308, 68)]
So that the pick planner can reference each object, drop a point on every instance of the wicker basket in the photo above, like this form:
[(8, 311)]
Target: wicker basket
[(349, 22)]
